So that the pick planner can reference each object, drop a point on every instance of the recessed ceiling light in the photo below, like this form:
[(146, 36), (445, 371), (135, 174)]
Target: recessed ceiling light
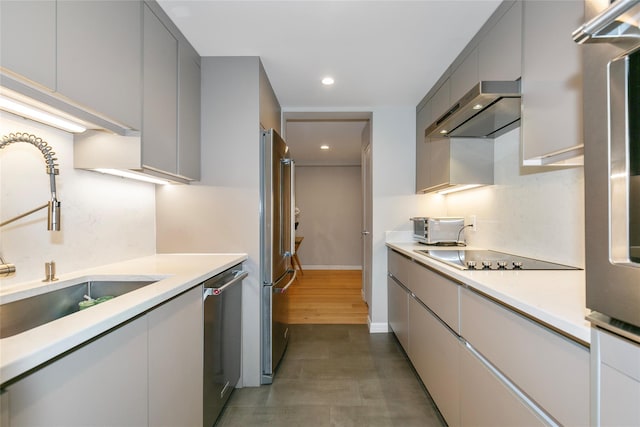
[(328, 81), (324, 147), (444, 131), (477, 107)]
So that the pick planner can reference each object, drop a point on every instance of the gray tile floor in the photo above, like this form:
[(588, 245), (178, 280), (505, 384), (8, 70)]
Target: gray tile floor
[(336, 375)]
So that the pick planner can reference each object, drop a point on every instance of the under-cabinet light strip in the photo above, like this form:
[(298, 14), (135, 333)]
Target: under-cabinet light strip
[(458, 188), (133, 175), (38, 115)]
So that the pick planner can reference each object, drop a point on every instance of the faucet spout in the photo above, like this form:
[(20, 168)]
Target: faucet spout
[(53, 217)]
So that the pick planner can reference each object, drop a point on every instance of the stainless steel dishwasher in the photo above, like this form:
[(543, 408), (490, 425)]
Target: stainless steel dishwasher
[(222, 339)]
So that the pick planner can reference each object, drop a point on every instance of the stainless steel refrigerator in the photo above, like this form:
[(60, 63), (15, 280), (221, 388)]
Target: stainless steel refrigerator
[(277, 235)]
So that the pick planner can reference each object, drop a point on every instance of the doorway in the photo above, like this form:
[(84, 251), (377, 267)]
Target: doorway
[(331, 188)]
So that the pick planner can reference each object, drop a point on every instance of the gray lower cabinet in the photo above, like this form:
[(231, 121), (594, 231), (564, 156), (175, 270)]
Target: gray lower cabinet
[(147, 372), (399, 311), (101, 383), (99, 61), (484, 364), (553, 370), (434, 352), (486, 401), (616, 385), (175, 361), (28, 40)]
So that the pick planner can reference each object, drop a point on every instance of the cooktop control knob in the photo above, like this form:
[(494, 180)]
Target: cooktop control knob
[(471, 265), (486, 264), (502, 265), (517, 265)]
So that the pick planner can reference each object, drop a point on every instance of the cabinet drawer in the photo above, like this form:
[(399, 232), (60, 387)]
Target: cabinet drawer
[(551, 369), (486, 401), (398, 311), (434, 352), (436, 292), (398, 265)]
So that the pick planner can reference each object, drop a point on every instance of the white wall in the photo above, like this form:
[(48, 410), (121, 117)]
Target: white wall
[(104, 219), (394, 199), (539, 215), (330, 202), (221, 213)]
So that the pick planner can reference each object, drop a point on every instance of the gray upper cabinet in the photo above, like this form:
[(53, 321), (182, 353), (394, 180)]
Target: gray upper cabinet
[(29, 51), (465, 76), (99, 57), (441, 100), (188, 112), (551, 83), (423, 119), (159, 128), (500, 51)]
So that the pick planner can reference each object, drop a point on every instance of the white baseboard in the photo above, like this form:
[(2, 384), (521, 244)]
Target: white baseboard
[(377, 328), (331, 267)]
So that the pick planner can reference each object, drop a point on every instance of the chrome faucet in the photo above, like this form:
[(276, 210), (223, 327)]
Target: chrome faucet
[(53, 206)]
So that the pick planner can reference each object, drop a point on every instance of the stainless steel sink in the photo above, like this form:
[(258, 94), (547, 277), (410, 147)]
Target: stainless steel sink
[(24, 314)]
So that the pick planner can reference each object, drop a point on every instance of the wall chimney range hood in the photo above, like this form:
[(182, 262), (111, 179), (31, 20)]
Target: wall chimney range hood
[(488, 110)]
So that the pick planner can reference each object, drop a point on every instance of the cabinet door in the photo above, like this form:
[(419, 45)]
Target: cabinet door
[(398, 265), (99, 57), (440, 166), (465, 76), (159, 129), (532, 356), (398, 311), (175, 361), (101, 383), (188, 113), (551, 79), (28, 40), (500, 51), (441, 101), (441, 295), (434, 352), (423, 119), (619, 378), (485, 401)]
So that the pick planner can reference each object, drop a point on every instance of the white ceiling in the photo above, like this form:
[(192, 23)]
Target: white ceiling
[(380, 53)]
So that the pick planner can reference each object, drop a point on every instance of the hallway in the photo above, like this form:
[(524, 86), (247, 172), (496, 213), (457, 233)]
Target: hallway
[(336, 375), (327, 297)]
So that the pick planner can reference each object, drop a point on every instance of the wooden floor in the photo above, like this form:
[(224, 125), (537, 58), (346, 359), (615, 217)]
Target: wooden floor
[(327, 297)]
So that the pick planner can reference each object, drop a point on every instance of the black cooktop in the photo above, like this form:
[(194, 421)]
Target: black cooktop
[(490, 260)]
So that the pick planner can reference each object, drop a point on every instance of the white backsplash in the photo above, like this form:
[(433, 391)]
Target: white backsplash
[(104, 219), (538, 215)]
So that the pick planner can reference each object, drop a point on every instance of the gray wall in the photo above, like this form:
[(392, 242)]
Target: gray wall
[(330, 201)]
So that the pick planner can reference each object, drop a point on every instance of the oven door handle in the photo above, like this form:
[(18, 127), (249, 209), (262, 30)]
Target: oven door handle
[(619, 167)]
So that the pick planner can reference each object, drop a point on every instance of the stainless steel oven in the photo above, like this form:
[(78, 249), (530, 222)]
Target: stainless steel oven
[(612, 162)]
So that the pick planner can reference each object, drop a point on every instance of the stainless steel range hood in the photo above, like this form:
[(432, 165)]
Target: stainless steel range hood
[(488, 110)]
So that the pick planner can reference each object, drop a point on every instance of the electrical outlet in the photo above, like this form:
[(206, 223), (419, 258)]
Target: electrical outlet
[(474, 225)]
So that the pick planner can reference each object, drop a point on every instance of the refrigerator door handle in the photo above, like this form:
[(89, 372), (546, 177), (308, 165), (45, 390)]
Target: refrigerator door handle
[(289, 226), (285, 287)]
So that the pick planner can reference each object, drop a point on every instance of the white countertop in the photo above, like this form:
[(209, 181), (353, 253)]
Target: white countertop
[(555, 298), (175, 273)]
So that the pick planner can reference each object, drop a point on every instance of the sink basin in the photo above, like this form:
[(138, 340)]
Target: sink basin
[(27, 313)]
